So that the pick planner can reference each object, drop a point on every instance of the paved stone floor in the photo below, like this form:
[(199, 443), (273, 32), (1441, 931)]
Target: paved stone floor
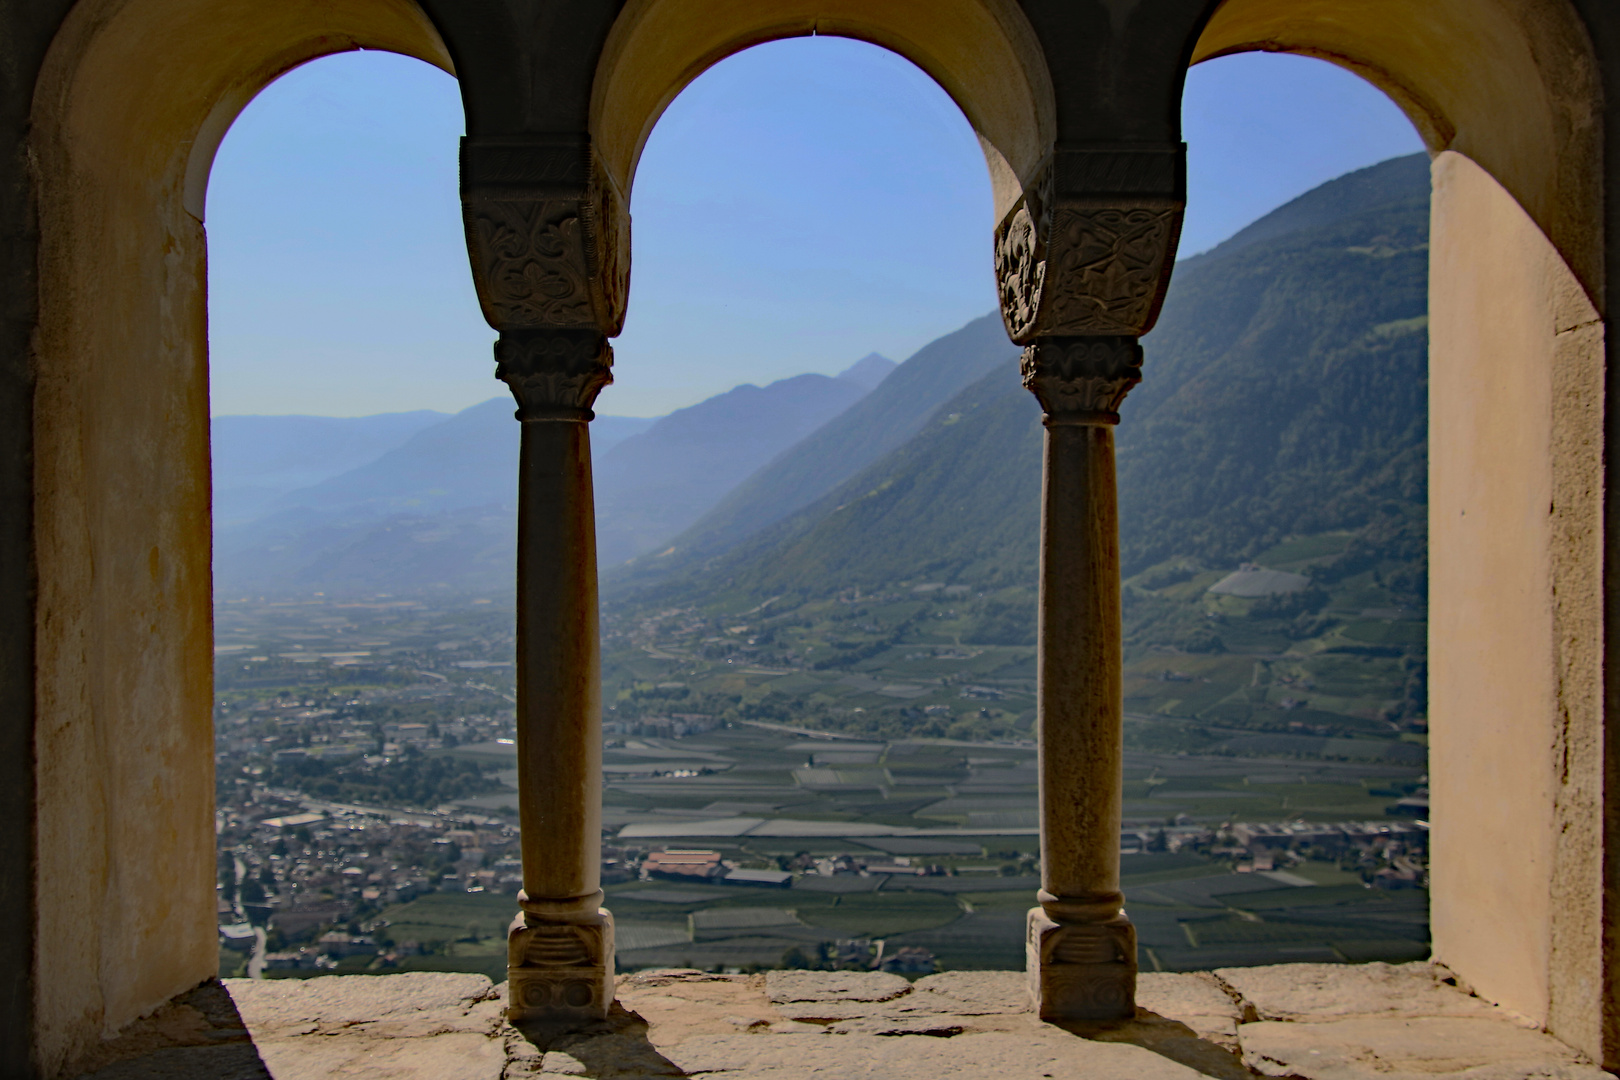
[(1306, 1021)]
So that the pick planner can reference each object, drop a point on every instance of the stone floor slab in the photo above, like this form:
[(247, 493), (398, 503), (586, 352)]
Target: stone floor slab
[(971, 993), (454, 1056), (408, 1004), (784, 987), (1195, 999), (1339, 991), (235, 1062), (1416, 1048), (1308, 1021), (918, 1057)]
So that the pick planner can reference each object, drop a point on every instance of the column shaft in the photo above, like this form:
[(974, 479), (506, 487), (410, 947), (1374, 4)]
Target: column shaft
[(559, 737), (1081, 947), (1078, 666), (560, 948)]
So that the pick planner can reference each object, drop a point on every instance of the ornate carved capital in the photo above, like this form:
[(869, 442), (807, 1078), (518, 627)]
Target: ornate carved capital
[(560, 971), (1082, 380), (548, 233), (1089, 247), (554, 374)]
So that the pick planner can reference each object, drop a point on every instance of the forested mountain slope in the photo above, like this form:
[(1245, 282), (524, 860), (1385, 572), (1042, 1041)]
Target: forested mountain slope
[(1284, 394)]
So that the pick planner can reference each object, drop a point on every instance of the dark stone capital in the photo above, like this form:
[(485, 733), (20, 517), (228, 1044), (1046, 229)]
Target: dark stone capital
[(554, 374), (1088, 248), (1082, 380), (547, 231)]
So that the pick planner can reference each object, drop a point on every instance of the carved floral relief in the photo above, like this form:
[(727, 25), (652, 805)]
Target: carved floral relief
[(1082, 379), (554, 374)]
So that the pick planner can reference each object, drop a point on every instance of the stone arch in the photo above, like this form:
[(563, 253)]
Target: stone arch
[(983, 53), (133, 99), (1508, 98), (1513, 85)]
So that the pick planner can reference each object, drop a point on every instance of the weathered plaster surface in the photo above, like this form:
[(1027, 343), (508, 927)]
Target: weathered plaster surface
[(1515, 631), (123, 634), (1335, 1023), (1512, 84)]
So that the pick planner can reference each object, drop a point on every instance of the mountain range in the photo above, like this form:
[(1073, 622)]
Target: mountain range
[(1284, 395), (320, 503)]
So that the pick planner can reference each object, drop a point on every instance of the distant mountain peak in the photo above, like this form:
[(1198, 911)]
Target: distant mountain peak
[(868, 371)]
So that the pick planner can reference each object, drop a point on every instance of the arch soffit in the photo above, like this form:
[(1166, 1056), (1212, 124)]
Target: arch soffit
[(982, 52), (1511, 84), (144, 90)]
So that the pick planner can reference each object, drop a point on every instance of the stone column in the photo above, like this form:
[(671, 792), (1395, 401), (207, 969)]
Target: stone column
[(1081, 946), (1082, 261), (549, 246)]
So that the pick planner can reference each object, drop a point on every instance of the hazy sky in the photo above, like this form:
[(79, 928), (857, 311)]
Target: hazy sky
[(799, 205)]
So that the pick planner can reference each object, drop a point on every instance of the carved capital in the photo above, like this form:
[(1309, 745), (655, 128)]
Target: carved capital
[(1088, 248), (1082, 380), (560, 971), (554, 374), (1081, 971), (548, 233)]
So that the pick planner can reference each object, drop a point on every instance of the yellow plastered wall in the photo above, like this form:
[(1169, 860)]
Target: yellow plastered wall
[(1506, 94), (1515, 624), (129, 108)]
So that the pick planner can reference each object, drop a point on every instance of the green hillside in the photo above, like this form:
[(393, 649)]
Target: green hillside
[(1282, 420), (874, 426), (1285, 394)]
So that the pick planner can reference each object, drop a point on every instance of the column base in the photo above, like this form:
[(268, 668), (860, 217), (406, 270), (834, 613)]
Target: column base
[(1081, 971), (560, 972)]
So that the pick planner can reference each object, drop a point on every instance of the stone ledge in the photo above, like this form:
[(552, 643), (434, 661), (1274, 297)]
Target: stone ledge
[(1305, 1021)]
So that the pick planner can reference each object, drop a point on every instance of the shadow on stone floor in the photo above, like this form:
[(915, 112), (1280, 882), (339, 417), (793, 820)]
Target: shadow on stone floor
[(199, 1035), (1169, 1039), (618, 1046)]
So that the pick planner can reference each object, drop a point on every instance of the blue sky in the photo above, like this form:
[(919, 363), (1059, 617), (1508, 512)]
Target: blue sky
[(799, 205)]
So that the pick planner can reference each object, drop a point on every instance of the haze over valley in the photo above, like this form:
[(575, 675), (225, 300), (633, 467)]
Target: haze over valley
[(818, 643)]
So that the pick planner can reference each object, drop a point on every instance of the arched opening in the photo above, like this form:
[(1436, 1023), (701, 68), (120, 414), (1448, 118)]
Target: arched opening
[(984, 54), (1506, 97), (130, 106)]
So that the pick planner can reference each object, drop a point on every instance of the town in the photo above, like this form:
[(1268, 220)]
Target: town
[(366, 779)]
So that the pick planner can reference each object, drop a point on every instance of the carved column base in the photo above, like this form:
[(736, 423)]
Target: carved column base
[(1081, 971), (560, 972)]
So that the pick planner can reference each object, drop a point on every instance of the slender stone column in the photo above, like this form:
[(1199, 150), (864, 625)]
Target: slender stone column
[(1081, 946), (1083, 259), (550, 250), (560, 948)]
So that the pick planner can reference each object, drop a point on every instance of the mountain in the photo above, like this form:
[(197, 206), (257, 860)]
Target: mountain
[(881, 422), (1345, 197), (257, 459), (1284, 394), (868, 371), (653, 485), (436, 508)]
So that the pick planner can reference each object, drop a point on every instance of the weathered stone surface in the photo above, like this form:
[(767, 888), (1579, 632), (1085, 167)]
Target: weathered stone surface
[(1409, 1049), (198, 1034), (455, 1056), (1195, 999), (971, 993), (410, 1004), (1335, 991), (1052, 1053), (678, 1023), (680, 1004), (937, 1025), (617, 1055), (791, 986), (238, 1061)]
